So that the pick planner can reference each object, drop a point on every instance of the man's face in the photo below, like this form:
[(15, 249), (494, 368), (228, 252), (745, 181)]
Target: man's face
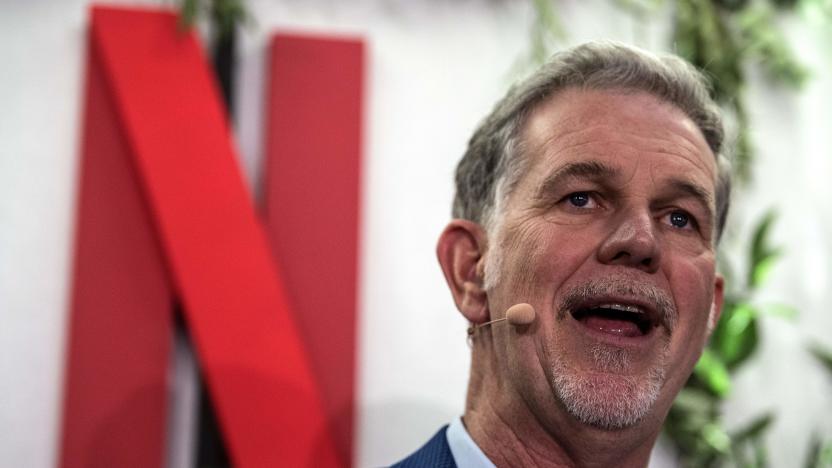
[(609, 234)]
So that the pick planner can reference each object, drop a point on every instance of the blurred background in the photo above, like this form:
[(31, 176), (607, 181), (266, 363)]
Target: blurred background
[(762, 395)]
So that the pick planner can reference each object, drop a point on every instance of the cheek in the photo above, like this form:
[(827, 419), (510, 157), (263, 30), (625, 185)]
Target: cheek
[(691, 246), (541, 256), (692, 285)]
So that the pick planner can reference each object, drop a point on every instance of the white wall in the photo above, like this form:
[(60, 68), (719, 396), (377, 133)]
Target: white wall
[(40, 84), (793, 131), (435, 69)]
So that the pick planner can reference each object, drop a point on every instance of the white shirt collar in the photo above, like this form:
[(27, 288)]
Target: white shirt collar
[(465, 451)]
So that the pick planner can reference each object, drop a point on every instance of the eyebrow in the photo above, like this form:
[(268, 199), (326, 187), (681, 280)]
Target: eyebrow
[(695, 191), (592, 170)]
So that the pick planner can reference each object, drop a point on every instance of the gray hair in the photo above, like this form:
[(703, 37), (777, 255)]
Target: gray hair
[(493, 162)]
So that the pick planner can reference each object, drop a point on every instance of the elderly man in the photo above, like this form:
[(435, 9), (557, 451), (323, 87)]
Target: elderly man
[(595, 193)]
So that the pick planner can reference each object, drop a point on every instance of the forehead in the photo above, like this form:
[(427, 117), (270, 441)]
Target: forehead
[(621, 127)]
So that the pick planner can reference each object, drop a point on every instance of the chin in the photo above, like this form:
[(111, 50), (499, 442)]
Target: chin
[(607, 400)]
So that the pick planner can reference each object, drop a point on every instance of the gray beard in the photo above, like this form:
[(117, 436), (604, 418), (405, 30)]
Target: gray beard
[(610, 397)]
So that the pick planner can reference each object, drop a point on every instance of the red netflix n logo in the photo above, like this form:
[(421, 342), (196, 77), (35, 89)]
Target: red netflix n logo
[(163, 214)]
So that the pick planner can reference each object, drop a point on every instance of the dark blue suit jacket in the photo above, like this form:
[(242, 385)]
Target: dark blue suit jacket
[(436, 453)]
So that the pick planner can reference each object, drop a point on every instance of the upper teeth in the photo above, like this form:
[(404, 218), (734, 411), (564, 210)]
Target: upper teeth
[(622, 307)]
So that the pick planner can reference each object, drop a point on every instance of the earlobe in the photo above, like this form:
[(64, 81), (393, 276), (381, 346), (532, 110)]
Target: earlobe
[(460, 253), (716, 304)]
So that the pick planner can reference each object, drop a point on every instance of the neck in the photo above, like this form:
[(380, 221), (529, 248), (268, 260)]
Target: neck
[(511, 433)]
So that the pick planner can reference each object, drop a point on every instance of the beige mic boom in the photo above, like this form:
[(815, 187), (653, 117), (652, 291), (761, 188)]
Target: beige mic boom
[(517, 315)]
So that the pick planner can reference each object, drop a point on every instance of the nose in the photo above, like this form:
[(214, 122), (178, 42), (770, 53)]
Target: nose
[(631, 242)]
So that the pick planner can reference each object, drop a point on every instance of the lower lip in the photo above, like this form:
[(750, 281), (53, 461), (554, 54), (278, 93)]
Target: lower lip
[(617, 332)]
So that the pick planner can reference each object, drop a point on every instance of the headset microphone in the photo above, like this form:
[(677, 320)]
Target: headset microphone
[(517, 315)]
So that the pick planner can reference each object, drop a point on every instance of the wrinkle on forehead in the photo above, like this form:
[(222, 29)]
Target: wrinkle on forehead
[(583, 121)]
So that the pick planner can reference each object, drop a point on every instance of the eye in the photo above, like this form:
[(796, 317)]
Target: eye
[(581, 200), (680, 219)]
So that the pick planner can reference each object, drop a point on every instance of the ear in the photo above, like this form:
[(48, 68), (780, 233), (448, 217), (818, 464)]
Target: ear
[(460, 252), (716, 305)]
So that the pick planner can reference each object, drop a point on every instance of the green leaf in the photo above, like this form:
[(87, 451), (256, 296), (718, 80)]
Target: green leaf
[(760, 453), (736, 336), (764, 43), (224, 15), (754, 429), (817, 11), (762, 253), (785, 4), (732, 5), (639, 8), (187, 13), (763, 269), (783, 311), (228, 14), (691, 400), (712, 371), (759, 239), (820, 453), (548, 18), (702, 36), (717, 438), (546, 30), (822, 355), (825, 459)]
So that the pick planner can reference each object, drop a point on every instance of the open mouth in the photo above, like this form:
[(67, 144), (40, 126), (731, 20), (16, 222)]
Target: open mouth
[(617, 318)]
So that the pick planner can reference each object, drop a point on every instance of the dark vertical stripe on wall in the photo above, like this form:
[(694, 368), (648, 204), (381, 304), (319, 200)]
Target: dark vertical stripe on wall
[(211, 450)]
